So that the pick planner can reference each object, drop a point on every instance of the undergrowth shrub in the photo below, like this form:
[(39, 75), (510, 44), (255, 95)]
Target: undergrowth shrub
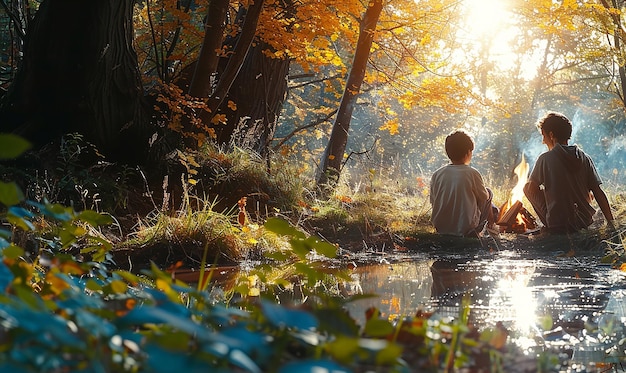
[(229, 175), (72, 172)]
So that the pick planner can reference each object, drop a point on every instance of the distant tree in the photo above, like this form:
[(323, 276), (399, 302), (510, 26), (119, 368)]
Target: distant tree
[(245, 92), (614, 28), (333, 155)]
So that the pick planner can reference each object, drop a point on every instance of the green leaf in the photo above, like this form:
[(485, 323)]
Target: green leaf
[(94, 218), (311, 274), (278, 256), (6, 277), (282, 228), (132, 278), (312, 366), (21, 223), (20, 212), (155, 315), (344, 349), (5, 233), (12, 252), (300, 248), (288, 318), (10, 194), (337, 321), (322, 247), (11, 146), (378, 328), (93, 285), (173, 341), (55, 211), (118, 287), (389, 355)]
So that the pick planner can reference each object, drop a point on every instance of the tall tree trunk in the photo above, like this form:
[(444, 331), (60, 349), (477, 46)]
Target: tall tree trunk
[(206, 66), (333, 155), (259, 93), (235, 61), (254, 82), (79, 74)]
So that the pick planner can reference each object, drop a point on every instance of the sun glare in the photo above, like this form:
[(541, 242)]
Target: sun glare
[(485, 16), (489, 27)]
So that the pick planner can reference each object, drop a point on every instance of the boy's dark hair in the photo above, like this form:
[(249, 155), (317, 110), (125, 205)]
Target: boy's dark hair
[(556, 123), (458, 143)]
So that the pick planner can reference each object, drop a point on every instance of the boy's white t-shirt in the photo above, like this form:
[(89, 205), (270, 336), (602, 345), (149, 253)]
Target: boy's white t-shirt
[(456, 194)]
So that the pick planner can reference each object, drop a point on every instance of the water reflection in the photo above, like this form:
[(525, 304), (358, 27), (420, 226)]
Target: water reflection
[(402, 287), (571, 304)]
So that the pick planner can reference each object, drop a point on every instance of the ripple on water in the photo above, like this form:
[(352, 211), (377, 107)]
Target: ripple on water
[(546, 300)]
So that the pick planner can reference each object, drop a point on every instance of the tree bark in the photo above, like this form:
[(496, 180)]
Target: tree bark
[(259, 93), (333, 155), (254, 82), (206, 66), (79, 74), (237, 57)]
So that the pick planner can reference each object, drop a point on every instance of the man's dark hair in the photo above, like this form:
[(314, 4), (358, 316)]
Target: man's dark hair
[(556, 123), (458, 143)]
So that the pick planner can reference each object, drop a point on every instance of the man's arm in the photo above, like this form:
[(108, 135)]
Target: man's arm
[(537, 199), (531, 188), (603, 202)]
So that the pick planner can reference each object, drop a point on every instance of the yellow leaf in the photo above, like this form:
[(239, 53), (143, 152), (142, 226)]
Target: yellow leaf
[(254, 292), (118, 287), (231, 105), (162, 285), (57, 284), (391, 126)]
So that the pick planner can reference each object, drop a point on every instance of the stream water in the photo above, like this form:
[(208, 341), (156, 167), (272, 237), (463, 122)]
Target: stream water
[(547, 301)]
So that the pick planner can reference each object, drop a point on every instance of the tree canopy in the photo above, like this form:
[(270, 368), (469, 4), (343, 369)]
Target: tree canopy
[(434, 65)]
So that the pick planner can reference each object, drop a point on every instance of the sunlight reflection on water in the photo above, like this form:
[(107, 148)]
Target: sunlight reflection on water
[(573, 304)]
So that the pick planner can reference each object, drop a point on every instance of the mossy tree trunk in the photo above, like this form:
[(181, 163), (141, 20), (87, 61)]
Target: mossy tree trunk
[(79, 74)]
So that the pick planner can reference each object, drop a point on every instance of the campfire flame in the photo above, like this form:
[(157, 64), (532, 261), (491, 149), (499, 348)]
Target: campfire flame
[(522, 177), (522, 220)]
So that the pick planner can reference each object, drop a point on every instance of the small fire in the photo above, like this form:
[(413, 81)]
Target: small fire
[(522, 220), (522, 177)]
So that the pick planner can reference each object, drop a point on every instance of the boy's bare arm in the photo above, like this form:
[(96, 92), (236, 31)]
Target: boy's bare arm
[(603, 202)]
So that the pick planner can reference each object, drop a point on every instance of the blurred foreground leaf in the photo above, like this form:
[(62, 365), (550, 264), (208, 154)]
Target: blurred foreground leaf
[(11, 146)]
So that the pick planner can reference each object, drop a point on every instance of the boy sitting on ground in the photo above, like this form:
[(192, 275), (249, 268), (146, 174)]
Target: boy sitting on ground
[(461, 203), (562, 179)]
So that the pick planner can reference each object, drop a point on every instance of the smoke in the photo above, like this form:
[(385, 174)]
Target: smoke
[(533, 148), (498, 148), (595, 137)]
